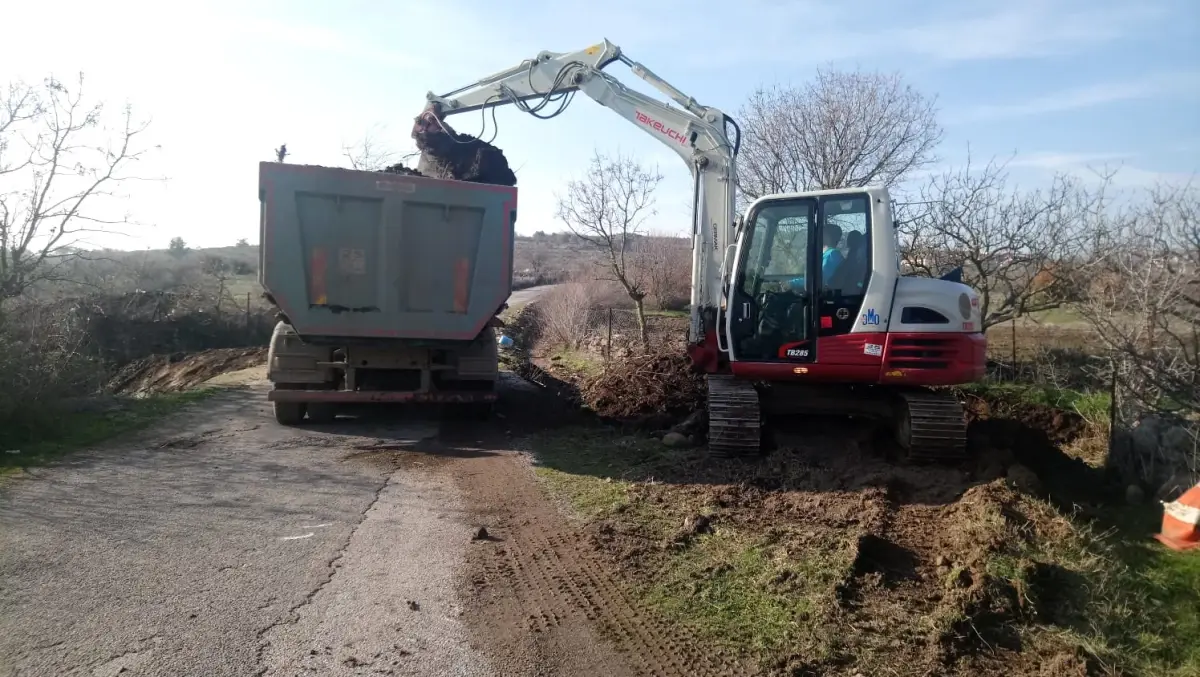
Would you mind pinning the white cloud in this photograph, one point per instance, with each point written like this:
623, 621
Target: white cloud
1024, 29
1184, 84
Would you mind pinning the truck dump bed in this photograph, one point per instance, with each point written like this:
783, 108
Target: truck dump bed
348, 253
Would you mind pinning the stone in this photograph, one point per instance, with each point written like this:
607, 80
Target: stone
481, 535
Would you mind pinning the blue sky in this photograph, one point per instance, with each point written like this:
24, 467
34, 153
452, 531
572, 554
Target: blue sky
1063, 83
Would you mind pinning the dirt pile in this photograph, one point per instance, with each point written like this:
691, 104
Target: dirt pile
176, 372
446, 154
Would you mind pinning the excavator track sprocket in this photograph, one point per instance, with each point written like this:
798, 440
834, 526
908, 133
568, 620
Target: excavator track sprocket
931, 426
734, 418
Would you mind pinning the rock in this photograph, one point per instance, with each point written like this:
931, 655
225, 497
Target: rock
942, 561
675, 440
481, 535
1024, 480
413, 605
1134, 495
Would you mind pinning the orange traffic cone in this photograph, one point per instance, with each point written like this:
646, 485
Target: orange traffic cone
1181, 521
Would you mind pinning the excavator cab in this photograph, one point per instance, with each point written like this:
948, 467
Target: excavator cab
802, 273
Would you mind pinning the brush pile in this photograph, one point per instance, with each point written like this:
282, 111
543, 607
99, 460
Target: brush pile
660, 382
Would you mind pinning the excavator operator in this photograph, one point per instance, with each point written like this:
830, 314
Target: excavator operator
831, 257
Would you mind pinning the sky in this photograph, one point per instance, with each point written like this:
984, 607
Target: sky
1066, 85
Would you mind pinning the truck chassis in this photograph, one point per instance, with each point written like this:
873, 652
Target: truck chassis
313, 377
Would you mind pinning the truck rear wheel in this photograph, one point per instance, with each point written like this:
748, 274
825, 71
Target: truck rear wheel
289, 413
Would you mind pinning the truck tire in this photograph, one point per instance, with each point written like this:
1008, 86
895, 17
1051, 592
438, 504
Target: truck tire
321, 413
289, 413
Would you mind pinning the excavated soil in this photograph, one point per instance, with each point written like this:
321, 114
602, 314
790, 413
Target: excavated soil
916, 597
180, 371
461, 157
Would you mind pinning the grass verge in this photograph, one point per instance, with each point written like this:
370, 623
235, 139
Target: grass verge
42, 439
1092, 406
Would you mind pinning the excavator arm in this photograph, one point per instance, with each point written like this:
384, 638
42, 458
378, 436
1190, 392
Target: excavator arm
696, 133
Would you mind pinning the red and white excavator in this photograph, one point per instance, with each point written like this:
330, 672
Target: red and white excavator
797, 305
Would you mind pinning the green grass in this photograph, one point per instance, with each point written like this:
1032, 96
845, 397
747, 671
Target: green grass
667, 313
1093, 406
1153, 600
1108, 588
578, 362
744, 592
42, 440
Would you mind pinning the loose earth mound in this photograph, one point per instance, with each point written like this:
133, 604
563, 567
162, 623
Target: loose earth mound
174, 373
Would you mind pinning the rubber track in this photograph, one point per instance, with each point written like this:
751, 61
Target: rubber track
939, 428
734, 417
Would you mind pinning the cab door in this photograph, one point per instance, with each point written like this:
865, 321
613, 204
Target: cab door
773, 310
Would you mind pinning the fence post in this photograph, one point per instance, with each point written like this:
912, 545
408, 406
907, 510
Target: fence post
608, 341
1014, 350
1113, 410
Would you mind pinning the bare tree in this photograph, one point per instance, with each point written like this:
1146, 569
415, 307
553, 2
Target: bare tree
843, 129
218, 271
607, 208
1023, 251
1144, 300
537, 264
369, 153
663, 262
58, 164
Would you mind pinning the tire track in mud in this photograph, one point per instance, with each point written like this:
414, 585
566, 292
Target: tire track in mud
540, 570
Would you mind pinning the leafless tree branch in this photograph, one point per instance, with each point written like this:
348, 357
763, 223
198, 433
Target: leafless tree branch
607, 209
1024, 251
58, 162
369, 153
843, 129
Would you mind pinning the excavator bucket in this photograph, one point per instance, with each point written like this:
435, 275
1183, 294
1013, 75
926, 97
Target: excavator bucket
446, 154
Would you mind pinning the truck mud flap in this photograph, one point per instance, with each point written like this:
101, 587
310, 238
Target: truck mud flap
360, 396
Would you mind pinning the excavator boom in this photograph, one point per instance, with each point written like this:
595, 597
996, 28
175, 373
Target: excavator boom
544, 86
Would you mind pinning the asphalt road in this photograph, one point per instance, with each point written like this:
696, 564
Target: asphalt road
524, 296
223, 544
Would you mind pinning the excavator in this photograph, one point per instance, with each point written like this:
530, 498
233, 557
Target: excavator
798, 304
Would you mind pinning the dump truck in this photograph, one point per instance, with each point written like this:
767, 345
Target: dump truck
388, 286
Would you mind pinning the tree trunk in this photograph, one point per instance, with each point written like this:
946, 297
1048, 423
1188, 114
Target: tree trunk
640, 305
